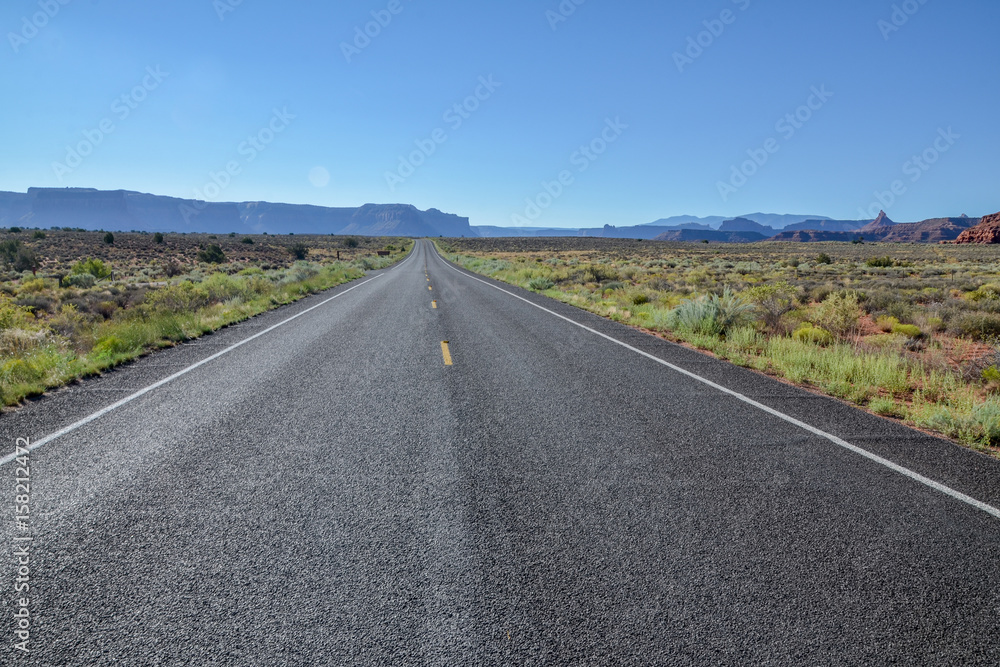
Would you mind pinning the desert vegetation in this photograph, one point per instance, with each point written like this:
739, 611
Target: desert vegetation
906, 331
73, 303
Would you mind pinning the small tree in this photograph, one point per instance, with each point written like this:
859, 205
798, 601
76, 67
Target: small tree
109, 238
27, 260
299, 250
158, 237
351, 242
212, 255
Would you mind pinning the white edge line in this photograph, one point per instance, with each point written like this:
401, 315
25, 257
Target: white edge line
156, 385
915, 476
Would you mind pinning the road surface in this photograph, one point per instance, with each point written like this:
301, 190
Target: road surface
363, 478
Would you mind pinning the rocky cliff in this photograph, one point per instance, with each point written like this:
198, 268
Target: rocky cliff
987, 231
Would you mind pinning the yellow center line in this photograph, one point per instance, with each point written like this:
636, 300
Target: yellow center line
430, 289
446, 353
434, 304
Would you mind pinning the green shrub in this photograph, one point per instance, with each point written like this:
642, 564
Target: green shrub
351, 242
880, 262
908, 330
158, 237
540, 284
773, 302
640, 298
977, 326
711, 315
886, 323
886, 407
991, 374
839, 313
823, 258
247, 240
109, 238
212, 255
39, 234
83, 280
299, 250
808, 333
93, 266
613, 285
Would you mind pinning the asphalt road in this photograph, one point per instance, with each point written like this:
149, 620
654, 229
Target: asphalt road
330, 492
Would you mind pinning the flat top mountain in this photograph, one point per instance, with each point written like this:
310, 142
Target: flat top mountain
126, 210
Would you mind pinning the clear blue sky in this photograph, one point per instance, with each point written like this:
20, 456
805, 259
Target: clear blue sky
226, 66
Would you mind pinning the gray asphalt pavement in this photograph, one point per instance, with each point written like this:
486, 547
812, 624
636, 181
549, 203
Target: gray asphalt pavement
330, 492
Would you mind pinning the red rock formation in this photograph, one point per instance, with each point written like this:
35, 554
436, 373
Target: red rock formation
987, 231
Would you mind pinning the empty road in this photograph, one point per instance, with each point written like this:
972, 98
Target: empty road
424, 467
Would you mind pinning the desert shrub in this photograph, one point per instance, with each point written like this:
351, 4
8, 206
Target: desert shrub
773, 302
886, 323
880, 262
886, 407
639, 298
711, 315
109, 238
212, 254
299, 250
106, 309
184, 297
808, 333
36, 303
908, 330
34, 286
989, 291
599, 274
247, 240
819, 294
39, 234
83, 280
839, 313
351, 242
900, 310
823, 258
977, 326
158, 237
878, 301
172, 269
92, 266
747, 268
540, 284
613, 285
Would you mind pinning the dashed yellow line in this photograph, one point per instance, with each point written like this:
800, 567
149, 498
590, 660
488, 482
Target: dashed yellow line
446, 353
434, 305
430, 289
